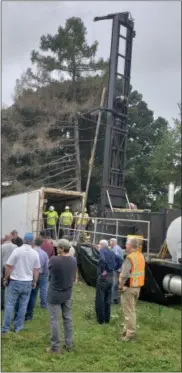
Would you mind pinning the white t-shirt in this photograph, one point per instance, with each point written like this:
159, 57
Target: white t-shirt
23, 260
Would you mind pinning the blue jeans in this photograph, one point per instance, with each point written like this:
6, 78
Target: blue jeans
18, 291
115, 296
42, 284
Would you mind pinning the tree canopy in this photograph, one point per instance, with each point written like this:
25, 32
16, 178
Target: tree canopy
38, 131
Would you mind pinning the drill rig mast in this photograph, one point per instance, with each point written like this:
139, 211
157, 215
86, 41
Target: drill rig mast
117, 112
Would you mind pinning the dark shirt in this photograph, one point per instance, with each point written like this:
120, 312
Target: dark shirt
62, 270
17, 241
108, 261
48, 247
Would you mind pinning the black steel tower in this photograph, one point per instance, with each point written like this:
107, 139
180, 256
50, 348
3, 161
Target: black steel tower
117, 111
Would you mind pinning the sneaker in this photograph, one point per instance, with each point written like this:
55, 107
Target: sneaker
68, 348
50, 351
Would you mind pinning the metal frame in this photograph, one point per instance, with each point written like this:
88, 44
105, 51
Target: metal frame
116, 127
117, 221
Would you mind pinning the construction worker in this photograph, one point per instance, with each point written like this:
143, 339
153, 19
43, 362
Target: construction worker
65, 221
131, 280
81, 223
52, 217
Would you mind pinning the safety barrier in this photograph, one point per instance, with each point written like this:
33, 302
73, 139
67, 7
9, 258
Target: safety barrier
101, 228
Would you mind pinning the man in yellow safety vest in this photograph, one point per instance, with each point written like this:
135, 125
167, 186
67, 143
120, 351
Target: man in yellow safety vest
81, 223
131, 279
66, 219
52, 217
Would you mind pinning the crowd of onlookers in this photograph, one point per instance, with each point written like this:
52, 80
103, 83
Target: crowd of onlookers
35, 265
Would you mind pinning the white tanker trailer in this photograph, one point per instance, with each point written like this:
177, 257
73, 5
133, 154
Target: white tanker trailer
173, 283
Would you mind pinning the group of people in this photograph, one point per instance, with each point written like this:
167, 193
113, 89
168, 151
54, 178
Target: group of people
33, 266
67, 222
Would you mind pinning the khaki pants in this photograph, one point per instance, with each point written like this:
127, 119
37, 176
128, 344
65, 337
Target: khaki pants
128, 299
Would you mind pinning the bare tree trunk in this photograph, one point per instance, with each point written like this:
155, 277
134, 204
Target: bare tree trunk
77, 151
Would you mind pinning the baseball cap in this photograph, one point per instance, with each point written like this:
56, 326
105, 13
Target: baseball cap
28, 237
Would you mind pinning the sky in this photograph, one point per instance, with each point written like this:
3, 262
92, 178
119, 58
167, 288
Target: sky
156, 61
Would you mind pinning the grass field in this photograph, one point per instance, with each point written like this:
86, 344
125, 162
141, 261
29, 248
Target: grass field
97, 349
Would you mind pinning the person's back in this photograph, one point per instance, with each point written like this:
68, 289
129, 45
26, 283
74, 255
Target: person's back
25, 259
22, 269
6, 250
62, 270
48, 247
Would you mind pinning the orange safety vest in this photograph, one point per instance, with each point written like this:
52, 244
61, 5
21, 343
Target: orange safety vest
137, 274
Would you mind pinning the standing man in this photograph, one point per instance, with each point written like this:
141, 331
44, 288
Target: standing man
118, 251
52, 217
131, 280
62, 270
108, 263
22, 268
81, 224
66, 220
6, 250
15, 239
46, 245
42, 282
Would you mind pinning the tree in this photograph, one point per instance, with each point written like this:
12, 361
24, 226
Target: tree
68, 52
165, 166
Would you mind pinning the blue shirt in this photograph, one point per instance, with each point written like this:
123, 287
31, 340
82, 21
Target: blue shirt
119, 252
43, 261
108, 261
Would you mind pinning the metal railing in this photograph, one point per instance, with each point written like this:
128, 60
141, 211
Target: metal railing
106, 228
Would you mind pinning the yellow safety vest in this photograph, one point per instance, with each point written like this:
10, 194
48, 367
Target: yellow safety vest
84, 219
52, 217
66, 218
137, 274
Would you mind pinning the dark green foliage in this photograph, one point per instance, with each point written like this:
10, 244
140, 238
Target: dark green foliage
71, 51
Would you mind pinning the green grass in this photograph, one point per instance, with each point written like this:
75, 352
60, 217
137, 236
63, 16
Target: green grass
97, 349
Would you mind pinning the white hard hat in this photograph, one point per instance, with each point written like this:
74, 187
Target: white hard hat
67, 208
51, 208
85, 209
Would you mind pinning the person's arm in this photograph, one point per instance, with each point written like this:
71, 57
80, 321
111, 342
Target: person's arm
125, 274
61, 218
102, 262
45, 212
118, 262
9, 266
75, 269
71, 218
45, 268
56, 216
49, 270
36, 271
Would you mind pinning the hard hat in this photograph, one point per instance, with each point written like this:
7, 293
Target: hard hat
67, 208
51, 208
85, 209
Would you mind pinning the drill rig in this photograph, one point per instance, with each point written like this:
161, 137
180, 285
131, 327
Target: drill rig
117, 112
163, 276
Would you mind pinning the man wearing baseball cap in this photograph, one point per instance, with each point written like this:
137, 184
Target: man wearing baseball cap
62, 270
22, 271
